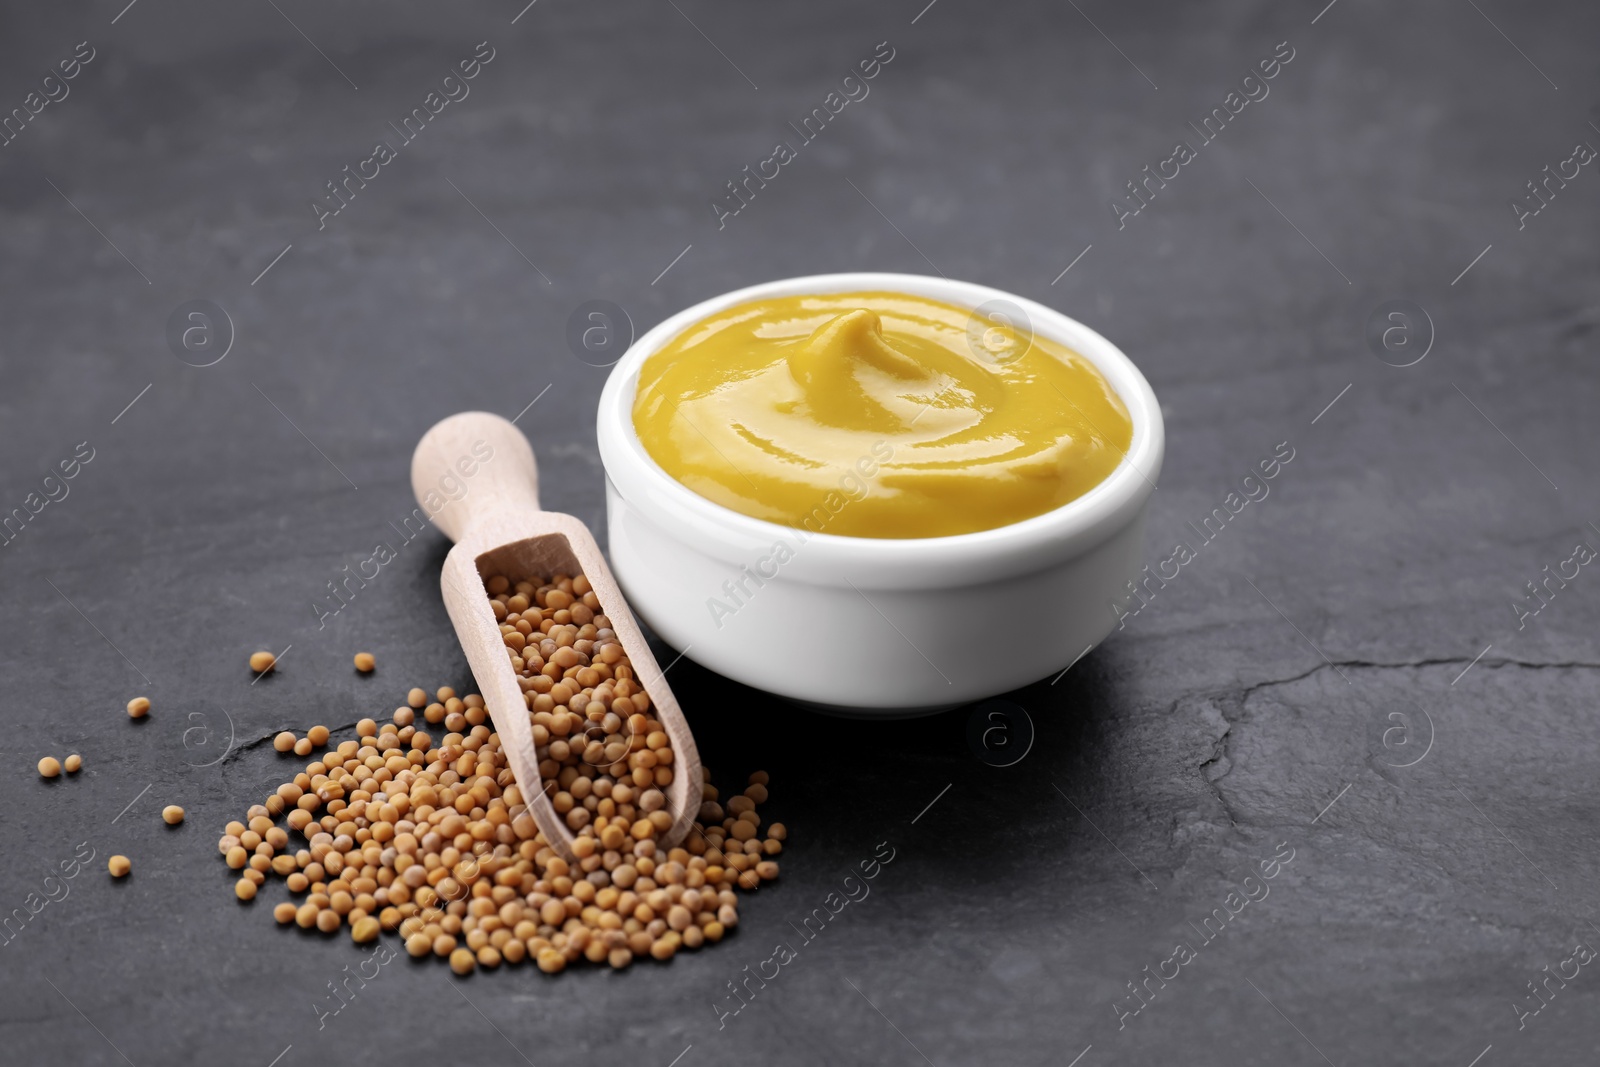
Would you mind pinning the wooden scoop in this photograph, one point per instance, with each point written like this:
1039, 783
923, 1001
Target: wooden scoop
474, 473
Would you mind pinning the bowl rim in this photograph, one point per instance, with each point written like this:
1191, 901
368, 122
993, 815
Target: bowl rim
1014, 548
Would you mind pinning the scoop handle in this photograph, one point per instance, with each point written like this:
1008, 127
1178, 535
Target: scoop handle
472, 468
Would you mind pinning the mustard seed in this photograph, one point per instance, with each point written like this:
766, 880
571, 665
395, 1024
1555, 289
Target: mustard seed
284, 742
138, 707
284, 913
244, 889
261, 662
119, 866
172, 815
364, 662
49, 767
74, 763
429, 836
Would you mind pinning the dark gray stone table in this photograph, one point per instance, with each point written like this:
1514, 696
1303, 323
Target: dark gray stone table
1341, 676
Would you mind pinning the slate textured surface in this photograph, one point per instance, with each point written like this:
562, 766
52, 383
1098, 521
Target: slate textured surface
1358, 619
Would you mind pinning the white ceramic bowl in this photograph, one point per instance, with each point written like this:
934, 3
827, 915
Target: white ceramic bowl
870, 626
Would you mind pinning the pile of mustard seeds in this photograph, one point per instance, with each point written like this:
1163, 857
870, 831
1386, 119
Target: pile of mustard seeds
431, 838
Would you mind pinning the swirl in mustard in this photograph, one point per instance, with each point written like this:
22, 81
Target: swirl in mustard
877, 414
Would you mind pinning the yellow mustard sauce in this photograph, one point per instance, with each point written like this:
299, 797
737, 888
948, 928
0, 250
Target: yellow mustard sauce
877, 414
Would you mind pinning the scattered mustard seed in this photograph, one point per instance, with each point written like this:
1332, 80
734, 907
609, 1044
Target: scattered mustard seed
49, 767
138, 707
74, 763
417, 827
119, 866
245, 889
365, 662
172, 815
261, 662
